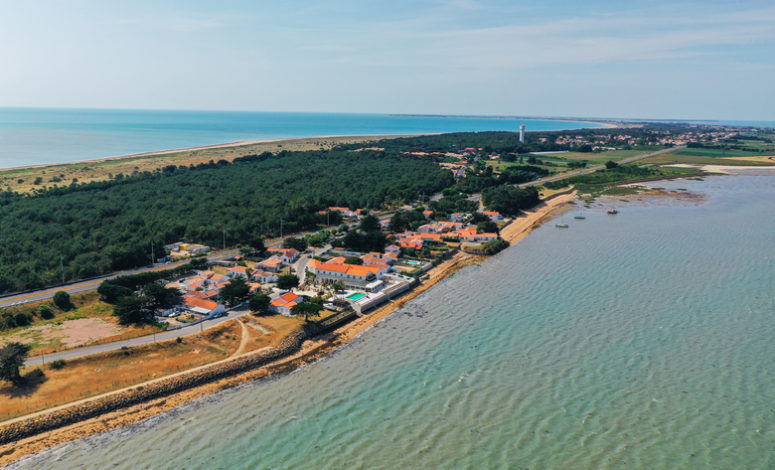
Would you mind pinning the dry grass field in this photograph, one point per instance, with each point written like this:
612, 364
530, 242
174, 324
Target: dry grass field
101, 373
90, 322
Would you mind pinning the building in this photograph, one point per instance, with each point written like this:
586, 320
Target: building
522, 134
287, 255
264, 276
236, 271
495, 216
203, 307
351, 275
272, 264
284, 303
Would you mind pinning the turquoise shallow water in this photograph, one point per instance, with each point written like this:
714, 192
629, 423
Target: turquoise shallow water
30, 136
642, 340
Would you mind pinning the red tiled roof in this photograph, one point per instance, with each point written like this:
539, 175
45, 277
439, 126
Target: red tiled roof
201, 303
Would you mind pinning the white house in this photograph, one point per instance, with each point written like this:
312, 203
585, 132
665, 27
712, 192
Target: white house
284, 303
203, 307
495, 216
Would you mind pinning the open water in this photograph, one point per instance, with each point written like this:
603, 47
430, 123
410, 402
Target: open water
644, 340
34, 136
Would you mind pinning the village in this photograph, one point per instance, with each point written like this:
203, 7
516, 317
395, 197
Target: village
327, 283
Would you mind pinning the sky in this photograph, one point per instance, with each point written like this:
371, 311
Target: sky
594, 58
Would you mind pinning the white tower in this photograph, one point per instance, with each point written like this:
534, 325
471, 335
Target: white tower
522, 134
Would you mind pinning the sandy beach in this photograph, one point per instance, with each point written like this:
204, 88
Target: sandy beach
311, 350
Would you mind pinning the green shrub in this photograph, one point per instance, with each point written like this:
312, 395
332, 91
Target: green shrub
45, 312
58, 364
62, 300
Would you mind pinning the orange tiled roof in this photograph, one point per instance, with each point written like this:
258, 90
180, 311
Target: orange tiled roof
201, 303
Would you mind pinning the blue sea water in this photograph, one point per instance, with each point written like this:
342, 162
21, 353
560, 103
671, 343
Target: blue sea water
30, 136
644, 340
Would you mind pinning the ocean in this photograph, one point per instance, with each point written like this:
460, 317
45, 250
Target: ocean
642, 340
31, 136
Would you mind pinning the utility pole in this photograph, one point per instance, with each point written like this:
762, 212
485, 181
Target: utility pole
153, 257
281, 227
224, 239
62, 267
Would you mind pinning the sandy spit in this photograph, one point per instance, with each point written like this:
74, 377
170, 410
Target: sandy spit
515, 231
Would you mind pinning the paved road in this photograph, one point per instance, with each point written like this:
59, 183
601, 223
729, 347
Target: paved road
100, 348
91, 284
300, 267
593, 169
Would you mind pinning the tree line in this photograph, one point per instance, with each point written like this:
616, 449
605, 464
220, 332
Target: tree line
97, 228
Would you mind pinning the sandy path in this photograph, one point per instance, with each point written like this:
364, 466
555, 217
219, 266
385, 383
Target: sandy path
244, 338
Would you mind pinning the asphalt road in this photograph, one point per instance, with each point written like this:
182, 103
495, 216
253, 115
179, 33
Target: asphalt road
91, 284
101, 348
593, 169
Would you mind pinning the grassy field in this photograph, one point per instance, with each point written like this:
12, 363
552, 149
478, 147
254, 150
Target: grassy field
707, 159
23, 179
560, 160
93, 375
718, 153
90, 322
602, 157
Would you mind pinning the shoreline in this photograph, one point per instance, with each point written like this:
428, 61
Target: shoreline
248, 142
237, 143
310, 350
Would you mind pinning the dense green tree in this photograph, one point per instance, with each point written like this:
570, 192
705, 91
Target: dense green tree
110, 292
353, 260
299, 244
133, 309
487, 226
510, 200
259, 304
62, 300
308, 309
406, 220
287, 281
105, 226
369, 223
12, 357
160, 296
364, 242
236, 290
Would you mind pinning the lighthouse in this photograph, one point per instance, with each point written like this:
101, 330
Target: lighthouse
522, 134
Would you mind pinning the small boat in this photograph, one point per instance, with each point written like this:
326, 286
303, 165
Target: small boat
613, 212
561, 225
580, 215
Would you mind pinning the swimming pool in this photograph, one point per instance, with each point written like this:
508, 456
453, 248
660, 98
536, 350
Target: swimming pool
356, 296
413, 262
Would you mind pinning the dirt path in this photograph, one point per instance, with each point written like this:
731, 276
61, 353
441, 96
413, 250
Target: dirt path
244, 338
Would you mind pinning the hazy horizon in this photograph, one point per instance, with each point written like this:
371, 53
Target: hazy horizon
602, 59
